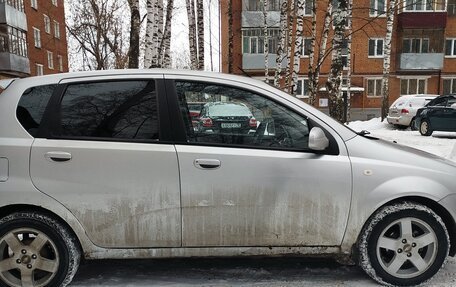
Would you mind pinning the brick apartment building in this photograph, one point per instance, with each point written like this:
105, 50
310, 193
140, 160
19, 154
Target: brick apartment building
423, 56
32, 38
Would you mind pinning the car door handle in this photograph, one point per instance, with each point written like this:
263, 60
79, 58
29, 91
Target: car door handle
207, 163
58, 156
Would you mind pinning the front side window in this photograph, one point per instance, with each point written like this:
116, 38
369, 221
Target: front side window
110, 110
375, 48
32, 105
236, 117
413, 86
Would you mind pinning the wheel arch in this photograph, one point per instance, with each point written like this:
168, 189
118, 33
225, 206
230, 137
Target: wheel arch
13, 208
434, 206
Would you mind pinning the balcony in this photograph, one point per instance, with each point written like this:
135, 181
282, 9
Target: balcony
14, 64
255, 19
422, 20
12, 17
256, 61
421, 61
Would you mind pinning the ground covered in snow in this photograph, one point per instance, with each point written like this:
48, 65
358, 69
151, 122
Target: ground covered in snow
265, 271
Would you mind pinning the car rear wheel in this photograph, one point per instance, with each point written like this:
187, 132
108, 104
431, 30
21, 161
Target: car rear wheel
425, 128
403, 244
35, 251
412, 124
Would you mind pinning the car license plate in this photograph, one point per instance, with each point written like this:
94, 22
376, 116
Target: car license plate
230, 125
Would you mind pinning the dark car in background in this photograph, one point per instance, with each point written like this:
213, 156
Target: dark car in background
226, 117
438, 115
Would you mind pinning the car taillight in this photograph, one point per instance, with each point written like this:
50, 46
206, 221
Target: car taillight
404, 111
207, 122
253, 122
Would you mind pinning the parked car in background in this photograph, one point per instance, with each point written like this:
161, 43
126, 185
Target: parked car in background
402, 112
226, 118
437, 115
107, 165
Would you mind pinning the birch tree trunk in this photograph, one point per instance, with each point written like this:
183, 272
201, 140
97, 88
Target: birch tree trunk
150, 31
281, 44
158, 34
322, 53
333, 85
164, 51
135, 26
349, 61
311, 67
230, 36
387, 57
298, 43
291, 15
192, 33
266, 41
210, 34
200, 21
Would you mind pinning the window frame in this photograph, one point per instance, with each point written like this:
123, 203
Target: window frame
37, 40
50, 125
452, 85
302, 95
418, 79
34, 4
50, 59
377, 12
55, 3
376, 55
375, 79
453, 48
421, 41
47, 24
60, 62
56, 29
39, 67
424, 6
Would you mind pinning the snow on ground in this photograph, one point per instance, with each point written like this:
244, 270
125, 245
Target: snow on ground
265, 271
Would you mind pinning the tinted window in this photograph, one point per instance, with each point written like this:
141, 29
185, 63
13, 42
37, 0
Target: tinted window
32, 105
233, 116
120, 110
438, 102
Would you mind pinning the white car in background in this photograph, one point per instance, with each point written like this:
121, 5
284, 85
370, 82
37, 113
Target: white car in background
403, 111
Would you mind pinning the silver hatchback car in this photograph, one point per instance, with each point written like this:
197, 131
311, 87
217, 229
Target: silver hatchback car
108, 165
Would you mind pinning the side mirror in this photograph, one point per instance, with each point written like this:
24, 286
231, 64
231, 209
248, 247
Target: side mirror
317, 139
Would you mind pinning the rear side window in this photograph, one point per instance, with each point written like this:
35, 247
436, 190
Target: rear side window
110, 110
32, 105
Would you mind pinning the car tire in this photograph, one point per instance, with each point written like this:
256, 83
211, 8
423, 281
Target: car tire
425, 128
36, 250
412, 124
392, 256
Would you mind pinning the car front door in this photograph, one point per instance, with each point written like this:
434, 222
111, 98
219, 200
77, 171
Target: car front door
101, 154
258, 187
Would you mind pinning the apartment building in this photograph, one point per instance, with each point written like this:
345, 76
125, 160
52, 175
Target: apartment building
32, 38
423, 56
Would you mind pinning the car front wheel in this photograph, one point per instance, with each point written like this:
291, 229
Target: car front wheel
403, 244
36, 250
425, 128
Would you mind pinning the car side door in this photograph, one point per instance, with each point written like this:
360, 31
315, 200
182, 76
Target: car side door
103, 152
262, 187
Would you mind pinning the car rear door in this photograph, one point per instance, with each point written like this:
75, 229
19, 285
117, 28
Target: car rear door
264, 188
103, 153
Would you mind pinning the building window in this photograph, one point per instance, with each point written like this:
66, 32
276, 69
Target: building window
424, 5
449, 86
50, 56
374, 87
257, 5
39, 69
306, 47
16, 4
451, 7
57, 29
47, 24
37, 37
60, 60
375, 48
302, 88
415, 45
345, 54
54, 2
450, 48
253, 41
14, 41
413, 86
377, 7
34, 4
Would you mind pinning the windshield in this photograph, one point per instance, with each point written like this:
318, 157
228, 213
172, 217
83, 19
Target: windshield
224, 110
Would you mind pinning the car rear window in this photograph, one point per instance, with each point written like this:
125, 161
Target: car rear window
224, 110
32, 105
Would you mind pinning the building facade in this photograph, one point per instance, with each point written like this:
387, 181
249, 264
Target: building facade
32, 38
423, 56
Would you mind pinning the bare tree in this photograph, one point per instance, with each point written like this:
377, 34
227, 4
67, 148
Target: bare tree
282, 40
192, 33
200, 22
266, 41
387, 58
291, 14
97, 27
349, 61
298, 47
135, 26
230, 36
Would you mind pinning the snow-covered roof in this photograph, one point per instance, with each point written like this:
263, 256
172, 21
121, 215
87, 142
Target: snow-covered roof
345, 88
